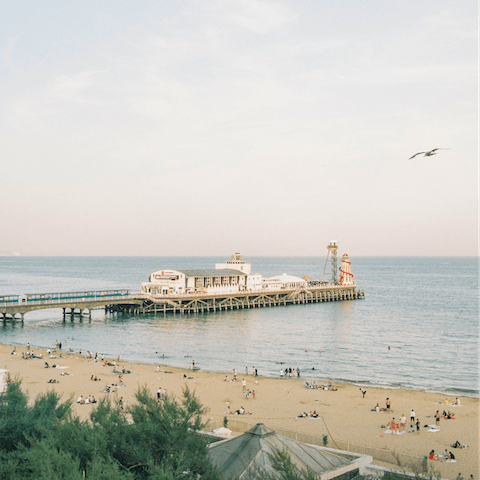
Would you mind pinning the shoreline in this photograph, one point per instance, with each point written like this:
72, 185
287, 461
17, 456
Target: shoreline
449, 392
346, 415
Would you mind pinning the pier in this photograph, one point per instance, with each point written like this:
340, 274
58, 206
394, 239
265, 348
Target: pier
122, 301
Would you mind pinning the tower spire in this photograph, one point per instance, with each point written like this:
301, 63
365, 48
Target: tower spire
346, 275
332, 248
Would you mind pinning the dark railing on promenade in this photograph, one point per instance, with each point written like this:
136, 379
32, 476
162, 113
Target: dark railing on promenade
392, 457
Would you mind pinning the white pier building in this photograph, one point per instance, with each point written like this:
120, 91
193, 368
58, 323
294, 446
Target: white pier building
230, 277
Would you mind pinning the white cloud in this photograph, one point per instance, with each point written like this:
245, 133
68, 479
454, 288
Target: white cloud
257, 16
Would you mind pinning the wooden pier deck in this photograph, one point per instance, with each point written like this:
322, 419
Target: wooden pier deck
142, 303
201, 302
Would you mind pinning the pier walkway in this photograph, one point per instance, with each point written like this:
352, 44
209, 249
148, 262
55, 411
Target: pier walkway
122, 301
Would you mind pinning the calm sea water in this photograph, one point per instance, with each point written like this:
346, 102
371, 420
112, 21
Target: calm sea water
425, 308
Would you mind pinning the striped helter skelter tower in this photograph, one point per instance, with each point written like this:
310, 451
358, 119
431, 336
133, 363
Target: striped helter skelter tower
346, 276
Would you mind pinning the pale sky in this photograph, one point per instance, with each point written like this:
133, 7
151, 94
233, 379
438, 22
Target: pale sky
253, 126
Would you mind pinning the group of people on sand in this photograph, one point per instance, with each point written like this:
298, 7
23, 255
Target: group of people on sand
240, 411
448, 415
30, 355
86, 400
387, 408
289, 372
328, 386
161, 394
313, 414
448, 456
111, 388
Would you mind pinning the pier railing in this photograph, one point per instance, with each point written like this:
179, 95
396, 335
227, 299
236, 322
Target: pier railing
124, 301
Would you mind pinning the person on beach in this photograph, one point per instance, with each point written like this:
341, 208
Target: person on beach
298, 372
159, 393
403, 421
244, 385
393, 425
457, 402
377, 407
431, 456
388, 403
412, 417
418, 426
437, 418
363, 392
459, 477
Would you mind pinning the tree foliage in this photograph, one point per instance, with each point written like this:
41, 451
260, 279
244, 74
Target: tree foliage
146, 441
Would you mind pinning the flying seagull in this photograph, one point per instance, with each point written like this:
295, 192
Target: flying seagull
430, 153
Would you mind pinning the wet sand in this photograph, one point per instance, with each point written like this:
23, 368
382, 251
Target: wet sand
346, 415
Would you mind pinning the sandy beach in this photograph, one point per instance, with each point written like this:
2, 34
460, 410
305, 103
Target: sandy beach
346, 415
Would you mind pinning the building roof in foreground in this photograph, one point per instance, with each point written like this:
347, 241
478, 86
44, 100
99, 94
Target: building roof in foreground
241, 457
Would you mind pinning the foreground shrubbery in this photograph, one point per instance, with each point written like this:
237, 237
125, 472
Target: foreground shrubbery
46, 441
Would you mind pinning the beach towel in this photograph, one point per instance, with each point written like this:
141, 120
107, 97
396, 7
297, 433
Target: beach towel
433, 430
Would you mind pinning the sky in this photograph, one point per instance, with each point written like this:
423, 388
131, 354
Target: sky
219, 126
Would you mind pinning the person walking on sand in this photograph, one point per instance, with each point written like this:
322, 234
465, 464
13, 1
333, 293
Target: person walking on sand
244, 385
403, 421
437, 417
388, 403
412, 417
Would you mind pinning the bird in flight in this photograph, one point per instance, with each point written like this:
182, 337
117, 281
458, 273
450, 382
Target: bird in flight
430, 153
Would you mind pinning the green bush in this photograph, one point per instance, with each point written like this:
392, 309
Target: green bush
46, 441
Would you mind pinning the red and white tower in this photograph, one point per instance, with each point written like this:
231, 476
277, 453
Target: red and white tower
346, 276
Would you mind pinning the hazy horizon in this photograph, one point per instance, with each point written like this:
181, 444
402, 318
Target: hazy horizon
245, 257
265, 127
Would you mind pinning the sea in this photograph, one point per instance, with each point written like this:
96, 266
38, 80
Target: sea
417, 328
